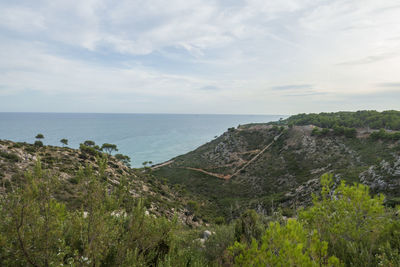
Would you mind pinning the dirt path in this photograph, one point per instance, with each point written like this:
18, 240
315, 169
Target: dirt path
255, 157
229, 176
220, 176
155, 167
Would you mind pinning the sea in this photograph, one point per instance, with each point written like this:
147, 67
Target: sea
143, 137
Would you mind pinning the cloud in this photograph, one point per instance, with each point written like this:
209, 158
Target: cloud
306, 93
292, 87
390, 84
369, 59
210, 88
194, 55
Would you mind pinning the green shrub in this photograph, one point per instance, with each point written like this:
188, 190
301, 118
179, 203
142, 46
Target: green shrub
38, 143
9, 156
349, 219
287, 245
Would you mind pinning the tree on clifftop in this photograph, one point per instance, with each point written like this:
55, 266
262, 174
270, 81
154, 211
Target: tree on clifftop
89, 143
64, 141
38, 142
109, 148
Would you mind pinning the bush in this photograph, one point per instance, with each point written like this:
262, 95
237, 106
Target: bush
349, 219
248, 226
38, 143
89, 150
287, 245
9, 156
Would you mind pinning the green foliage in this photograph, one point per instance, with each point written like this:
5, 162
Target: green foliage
89, 150
349, 219
361, 119
192, 206
38, 143
248, 226
384, 135
345, 225
287, 245
110, 229
64, 142
124, 159
9, 156
89, 143
32, 222
315, 131
39, 136
109, 148
217, 244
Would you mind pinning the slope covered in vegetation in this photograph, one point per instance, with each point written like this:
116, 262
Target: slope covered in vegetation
345, 226
389, 120
259, 195
277, 164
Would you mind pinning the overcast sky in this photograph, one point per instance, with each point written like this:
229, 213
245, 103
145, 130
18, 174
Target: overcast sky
188, 56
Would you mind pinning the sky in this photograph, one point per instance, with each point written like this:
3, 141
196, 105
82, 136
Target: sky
192, 56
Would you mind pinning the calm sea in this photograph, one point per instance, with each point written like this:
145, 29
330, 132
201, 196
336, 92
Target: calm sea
143, 137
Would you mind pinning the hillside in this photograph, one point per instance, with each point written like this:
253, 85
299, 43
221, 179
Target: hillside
263, 166
62, 206
17, 159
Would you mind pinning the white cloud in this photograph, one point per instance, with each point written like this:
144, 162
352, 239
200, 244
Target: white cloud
175, 49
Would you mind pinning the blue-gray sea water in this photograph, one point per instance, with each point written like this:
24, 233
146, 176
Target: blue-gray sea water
143, 137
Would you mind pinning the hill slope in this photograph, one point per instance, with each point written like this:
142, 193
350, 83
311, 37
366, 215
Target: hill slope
262, 166
16, 159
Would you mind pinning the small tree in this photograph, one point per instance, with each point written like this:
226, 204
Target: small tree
124, 159
39, 136
38, 142
64, 141
89, 143
109, 148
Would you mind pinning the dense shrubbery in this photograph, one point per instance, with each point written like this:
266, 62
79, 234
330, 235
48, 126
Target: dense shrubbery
337, 130
361, 119
384, 135
344, 227
110, 229
9, 156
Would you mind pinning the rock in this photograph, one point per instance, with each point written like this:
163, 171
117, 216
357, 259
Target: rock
206, 234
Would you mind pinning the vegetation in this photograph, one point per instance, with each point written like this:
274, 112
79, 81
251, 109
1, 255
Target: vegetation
345, 226
89, 143
361, 119
109, 148
109, 229
124, 159
384, 135
83, 208
38, 142
39, 136
64, 142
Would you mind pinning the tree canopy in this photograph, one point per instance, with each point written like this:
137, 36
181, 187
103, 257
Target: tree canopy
361, 119
109, 148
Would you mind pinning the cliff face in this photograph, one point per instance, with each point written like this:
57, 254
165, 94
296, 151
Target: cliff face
262, 166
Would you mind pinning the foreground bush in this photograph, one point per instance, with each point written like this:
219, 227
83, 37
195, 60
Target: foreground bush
344, 226
110, 229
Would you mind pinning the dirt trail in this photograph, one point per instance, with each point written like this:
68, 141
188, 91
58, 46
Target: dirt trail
229, 176
220, 176
155, 167
255, 157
